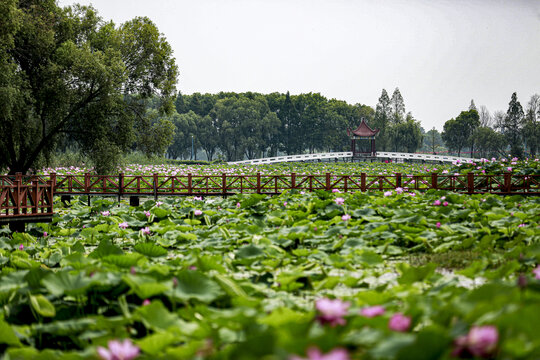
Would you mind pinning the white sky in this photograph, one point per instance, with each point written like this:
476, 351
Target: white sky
440, 53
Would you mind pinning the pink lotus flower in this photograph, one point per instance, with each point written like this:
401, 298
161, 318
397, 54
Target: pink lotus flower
336, 191
147, 213
438, 225
399, 322
437, 202
346, 217
117, 350
331, 311
399, 190
314, 353
445, 203
481, 341
372, 311
159, 203
509, 169
197, 198
145, 230
132, 270
105, 213
339, 201
123, 225
284, 203
197, 212
21, 247
536, 272
45, 234
387, 193
237, 205
146, 302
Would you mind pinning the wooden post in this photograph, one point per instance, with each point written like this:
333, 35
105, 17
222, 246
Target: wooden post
86, 182
470, 183
120, 186
434, 182
328, 185
293, 180
35, 199
345, 178
17, 196
507, 182
155, 183
398, 180
224, 184
363, 182
50, 195
310, 183
189, 184
53, 180
18, 177
258, 183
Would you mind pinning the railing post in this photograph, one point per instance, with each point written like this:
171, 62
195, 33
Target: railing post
189, 184
53, 179
258, 183
434, 182
155, 184
50, 194
470, 183
17, 196
398, 180
35, 193
293, 180
363, 182
328, 185
120, 186
507, 182
345, 185
18, 177
224, 184
86, 182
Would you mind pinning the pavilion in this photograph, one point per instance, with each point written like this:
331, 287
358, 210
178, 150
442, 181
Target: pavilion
363, 141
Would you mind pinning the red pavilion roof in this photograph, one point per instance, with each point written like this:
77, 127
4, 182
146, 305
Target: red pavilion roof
363, 130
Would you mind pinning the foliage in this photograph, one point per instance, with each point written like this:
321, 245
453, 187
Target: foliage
66, 73
458, 133
242, 279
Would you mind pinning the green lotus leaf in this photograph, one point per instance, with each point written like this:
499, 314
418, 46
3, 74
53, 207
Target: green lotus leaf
150, 249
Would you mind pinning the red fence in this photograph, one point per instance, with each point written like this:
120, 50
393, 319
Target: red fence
25, 200
226, 184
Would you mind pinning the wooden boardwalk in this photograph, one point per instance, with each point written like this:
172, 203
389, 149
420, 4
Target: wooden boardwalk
227, 184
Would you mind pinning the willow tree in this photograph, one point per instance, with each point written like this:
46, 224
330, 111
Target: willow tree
67, 73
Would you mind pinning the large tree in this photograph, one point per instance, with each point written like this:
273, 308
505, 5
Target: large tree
512, 126
65, 72
458, 132
531, 126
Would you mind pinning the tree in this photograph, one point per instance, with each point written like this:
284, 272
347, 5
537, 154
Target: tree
407, 135
155, 134
485, 117
433, 140
67, 73
185, 128
457, 133
512, 125
489, 142
383, 114
397, 107
531, 127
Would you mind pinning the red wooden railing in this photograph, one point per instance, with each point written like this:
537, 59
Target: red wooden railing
18, 200
226, 184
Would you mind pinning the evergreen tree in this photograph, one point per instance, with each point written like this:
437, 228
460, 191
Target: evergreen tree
383, 113
512, 126
472, 106
397, 107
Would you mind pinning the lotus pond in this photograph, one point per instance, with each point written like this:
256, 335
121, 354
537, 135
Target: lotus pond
399, 275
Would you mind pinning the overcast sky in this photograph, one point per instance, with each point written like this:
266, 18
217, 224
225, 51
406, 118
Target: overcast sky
440, 53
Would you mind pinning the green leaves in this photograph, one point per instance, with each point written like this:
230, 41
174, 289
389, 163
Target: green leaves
150, 249
194, 285
42, 306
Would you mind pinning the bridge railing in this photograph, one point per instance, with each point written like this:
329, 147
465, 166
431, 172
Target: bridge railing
225, 184
228, 184
18, 200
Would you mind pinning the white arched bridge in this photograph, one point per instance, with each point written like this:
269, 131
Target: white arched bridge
394, 156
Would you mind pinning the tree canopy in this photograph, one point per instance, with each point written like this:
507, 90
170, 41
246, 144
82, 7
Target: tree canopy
67, 73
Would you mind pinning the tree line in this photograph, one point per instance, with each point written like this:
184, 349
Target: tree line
251, 125
515, 132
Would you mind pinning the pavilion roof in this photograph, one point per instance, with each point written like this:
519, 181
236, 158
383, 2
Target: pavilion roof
363, 130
